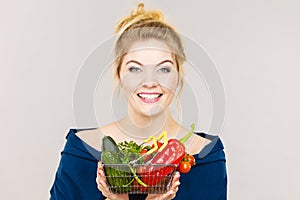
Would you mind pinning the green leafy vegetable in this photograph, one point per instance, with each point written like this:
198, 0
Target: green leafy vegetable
121, 176
130, 151
111, 154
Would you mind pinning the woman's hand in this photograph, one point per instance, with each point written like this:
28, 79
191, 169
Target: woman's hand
102, 186
170, 194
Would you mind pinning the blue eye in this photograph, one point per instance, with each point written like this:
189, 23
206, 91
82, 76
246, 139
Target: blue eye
164, 70
134, 69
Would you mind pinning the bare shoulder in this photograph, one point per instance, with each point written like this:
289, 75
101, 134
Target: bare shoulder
90, 137
196, 143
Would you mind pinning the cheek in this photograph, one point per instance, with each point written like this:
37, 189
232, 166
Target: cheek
169, 82
130, 82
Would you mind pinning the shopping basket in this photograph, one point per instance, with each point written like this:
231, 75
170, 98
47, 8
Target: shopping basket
124, 179
128, 177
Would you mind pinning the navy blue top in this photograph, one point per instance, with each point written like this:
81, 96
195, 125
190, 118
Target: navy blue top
75, 178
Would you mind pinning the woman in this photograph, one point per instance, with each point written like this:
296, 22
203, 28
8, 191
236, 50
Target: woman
149, 58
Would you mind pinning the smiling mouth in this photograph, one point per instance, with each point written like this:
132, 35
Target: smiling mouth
149, 97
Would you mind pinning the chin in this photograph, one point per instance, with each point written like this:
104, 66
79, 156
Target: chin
148, 109
153, 111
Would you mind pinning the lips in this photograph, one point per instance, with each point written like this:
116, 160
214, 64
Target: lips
149, 97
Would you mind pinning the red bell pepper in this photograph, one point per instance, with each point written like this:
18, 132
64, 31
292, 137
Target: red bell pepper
173, 153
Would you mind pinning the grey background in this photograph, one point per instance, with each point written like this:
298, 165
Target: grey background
254, 44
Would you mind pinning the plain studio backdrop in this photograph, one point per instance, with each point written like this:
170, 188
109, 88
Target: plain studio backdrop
254, 45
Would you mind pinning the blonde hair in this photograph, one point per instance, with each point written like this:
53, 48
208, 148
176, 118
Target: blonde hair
142, 25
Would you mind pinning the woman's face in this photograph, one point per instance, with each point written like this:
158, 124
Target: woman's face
149, 77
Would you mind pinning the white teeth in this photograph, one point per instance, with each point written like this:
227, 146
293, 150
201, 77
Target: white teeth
149, 96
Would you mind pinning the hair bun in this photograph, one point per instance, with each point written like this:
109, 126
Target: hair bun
136, 15
139, 10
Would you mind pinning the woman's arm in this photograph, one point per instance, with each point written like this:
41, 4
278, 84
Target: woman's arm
75, 180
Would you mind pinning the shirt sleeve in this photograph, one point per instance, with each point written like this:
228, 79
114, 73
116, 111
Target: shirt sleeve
75, 179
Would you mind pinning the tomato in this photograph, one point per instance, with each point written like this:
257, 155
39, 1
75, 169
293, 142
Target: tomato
143, 151
135, 183
184, 167
136, 187
190, 159
147, 157
143, 189
159, 144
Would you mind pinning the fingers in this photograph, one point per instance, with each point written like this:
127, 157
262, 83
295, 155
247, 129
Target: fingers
101, 180
103, 186
175, 186
175, 182
100, 173
171, 193
176, 179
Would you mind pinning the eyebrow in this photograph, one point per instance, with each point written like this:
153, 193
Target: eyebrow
134, 61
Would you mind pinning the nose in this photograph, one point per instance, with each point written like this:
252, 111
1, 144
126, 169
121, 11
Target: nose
150, 79
150, 84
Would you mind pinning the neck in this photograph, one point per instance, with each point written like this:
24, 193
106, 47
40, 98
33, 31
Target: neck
143, 127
